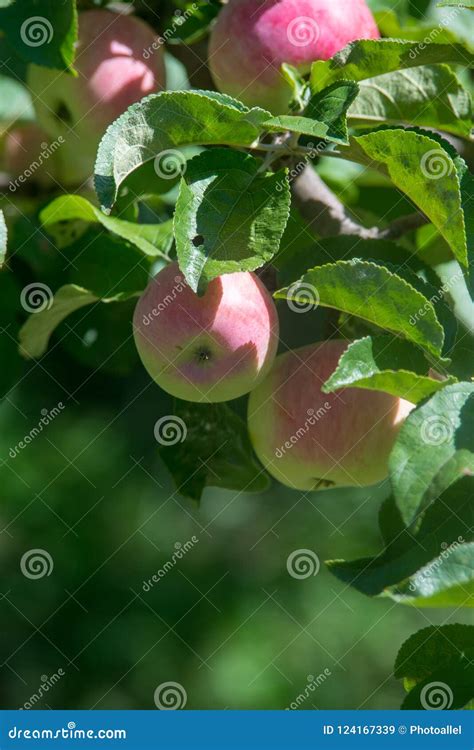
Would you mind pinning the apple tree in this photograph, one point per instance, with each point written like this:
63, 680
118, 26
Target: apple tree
273, 203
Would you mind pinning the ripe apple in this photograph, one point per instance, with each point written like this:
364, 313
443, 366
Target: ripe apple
118, 61
251, 40
308, 439
210, 348
27, 158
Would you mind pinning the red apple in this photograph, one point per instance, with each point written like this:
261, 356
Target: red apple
210, 348
251, 40
308, 439
27, 156
119, 60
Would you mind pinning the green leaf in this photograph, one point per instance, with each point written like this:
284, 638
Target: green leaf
3, 239
369, 363
42, 32
159, 124
36, 332
373, 57
431, 566
15, 103
423, 169
428, 440
229, 217
192, 23
209, 447
108, 267
431, 647
375, 294
456, 4
436, 665
428, 96
154, 240
325, 115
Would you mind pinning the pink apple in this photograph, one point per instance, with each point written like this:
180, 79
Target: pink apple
308, 439
251, 39
210, 348
119, 60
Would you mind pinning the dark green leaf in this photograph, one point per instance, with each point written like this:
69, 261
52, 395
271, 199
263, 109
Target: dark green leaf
429, 96
375, 294
373, 57
324, 117
429, 439
229, 217
207, 445
160, 124
422, 168
436, 665
42, 31
152, 239
370, 363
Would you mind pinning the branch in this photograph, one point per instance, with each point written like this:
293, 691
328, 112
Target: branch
328, 217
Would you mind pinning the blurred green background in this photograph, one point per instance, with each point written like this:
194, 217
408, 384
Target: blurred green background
227, 622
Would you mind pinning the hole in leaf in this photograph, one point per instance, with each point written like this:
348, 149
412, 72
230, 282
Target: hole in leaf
198, 240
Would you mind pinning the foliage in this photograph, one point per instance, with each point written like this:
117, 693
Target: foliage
198, 177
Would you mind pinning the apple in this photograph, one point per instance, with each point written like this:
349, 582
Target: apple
210, 348
119, 60
251, 40
308, 439
27, 157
